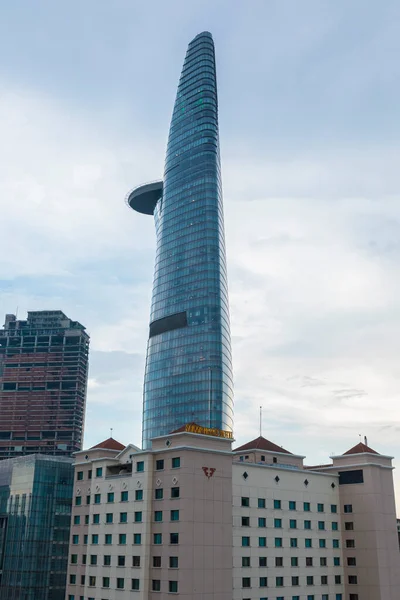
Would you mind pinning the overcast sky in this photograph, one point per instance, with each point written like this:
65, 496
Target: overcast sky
309, 124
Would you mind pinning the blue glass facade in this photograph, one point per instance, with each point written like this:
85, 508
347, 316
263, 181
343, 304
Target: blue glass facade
35, 514
188, 373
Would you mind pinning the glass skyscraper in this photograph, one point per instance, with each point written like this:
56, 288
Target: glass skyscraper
188, 376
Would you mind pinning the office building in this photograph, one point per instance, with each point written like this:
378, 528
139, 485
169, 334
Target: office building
43, 380
188, 368
193, 518
35, 514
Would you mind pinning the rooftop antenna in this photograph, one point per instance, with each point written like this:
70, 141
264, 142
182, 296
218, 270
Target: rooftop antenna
260, 421
111, 430
365, 440
16, 313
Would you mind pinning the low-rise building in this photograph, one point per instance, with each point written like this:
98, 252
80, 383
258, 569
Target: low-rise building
193, 518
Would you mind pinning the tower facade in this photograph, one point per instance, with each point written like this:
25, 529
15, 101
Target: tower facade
43, 379
188, 374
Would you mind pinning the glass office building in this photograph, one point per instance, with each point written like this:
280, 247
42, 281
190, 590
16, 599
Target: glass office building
35, 514
188, 375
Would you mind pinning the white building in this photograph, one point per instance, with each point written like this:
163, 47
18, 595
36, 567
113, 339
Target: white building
194, 519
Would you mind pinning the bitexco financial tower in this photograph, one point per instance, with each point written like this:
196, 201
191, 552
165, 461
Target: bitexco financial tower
188, 375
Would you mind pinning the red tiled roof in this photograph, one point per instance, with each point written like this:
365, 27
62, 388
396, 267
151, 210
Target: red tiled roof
360, 449
110, 444
261, 443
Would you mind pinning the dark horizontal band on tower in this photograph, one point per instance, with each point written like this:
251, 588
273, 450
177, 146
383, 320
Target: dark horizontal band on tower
176, 321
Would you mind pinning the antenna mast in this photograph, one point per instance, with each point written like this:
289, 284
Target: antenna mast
260, 421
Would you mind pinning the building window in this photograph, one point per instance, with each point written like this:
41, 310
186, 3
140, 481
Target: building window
353, 596
110, 497
176, 462
262, 561
108, 539
158, 516
350, 544
96, 519
323, 561
320, 508
245, 521
92, 581
173, 587
106, 582
262, 522
325, 597
322, 543
78, 500
107, 560
349, 526
309, 561
335, 526
138, 517
159, 465
277, 504
279, 581
90, 474
340, 597
138, 495
335, 543
246, 582
308, 543
140, 466
125, 496
135, 561
293, 524
75, 539
157, 538
86, 519
84, 559
306, 506
123, 517
93, 560
120, 583
348, 508
333, 508
245, 501
159, 494
109, 517
293, 542
279, 561
88, 499
99, 472
353, 579
173, 562
79, 475
263, 581
351, 561
72, 579
261, 503
292, 505
310, 580
262, 542
278, 543
278, 523
294, 561
174, 515
95, 539
336, 561
245, 541
174, 538
321, 525
307, 524
295, 580
156, 585
77, 520
121, 561
338, 580
83, 579
246, 561
135, 585
157, 562
97, 498
324, 580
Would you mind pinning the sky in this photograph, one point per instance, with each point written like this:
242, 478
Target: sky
309, 131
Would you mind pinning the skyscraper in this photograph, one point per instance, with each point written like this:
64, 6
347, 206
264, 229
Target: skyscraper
188, 374
43, 379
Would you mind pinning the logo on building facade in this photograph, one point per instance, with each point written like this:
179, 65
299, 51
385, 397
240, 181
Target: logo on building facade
208, 472
193, 428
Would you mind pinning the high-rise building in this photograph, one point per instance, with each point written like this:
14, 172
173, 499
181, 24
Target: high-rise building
188, 368
35, 515
43, 380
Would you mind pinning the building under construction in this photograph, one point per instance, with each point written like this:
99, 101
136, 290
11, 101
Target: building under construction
43, 382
